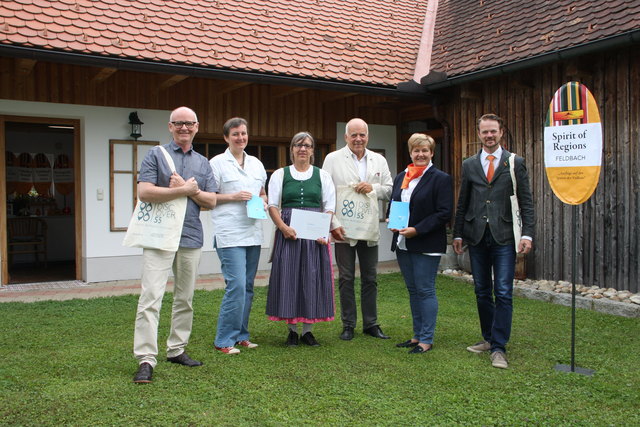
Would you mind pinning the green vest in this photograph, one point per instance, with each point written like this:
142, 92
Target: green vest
301, 194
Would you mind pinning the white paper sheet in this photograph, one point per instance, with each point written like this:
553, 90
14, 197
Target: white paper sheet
310, 225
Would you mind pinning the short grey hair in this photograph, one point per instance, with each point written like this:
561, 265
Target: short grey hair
183, 108
346, 127
300, 137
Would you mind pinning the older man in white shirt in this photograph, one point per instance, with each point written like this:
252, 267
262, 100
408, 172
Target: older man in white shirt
367, 172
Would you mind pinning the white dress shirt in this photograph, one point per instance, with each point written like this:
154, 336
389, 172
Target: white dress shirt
231, 225
485, 162
361, 164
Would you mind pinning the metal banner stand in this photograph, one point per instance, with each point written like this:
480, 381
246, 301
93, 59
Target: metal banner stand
573, 368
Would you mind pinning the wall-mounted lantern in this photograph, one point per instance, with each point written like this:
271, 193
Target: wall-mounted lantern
136, 125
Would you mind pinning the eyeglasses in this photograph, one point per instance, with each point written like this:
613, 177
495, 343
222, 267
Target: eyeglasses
301, 145
179, 125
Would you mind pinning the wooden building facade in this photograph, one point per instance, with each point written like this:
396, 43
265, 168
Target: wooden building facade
608, 224
275, 112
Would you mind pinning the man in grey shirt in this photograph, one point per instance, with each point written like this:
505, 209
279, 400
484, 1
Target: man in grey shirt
156, 183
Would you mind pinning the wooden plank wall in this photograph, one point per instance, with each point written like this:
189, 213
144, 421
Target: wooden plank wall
608, 223
272, 111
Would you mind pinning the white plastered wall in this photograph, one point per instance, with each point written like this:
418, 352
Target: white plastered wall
103, 256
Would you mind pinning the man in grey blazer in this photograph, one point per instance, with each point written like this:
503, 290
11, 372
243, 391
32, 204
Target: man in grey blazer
483, 220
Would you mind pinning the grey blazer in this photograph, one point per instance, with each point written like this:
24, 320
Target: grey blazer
482, 204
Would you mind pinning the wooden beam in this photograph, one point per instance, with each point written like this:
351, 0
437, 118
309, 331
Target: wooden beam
284, 91
103, 74
335, 96
470, 92
171, 81
24, 66
226, 86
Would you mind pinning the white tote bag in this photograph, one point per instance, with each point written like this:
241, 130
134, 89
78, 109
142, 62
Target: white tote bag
515, 207
358, 213
157, 225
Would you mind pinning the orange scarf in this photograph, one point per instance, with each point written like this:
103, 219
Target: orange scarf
413, 172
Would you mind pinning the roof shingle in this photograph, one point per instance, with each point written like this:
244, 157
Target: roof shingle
305, 38
472, 35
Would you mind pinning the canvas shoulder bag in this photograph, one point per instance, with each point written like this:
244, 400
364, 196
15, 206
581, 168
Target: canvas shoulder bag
157, 225
515, 206
357, 213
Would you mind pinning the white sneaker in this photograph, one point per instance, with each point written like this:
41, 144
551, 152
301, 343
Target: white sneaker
480, 347
499, 360
247, 344
228, 350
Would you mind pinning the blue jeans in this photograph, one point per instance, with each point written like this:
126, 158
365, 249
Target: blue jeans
494, 297
419, 272
239, 265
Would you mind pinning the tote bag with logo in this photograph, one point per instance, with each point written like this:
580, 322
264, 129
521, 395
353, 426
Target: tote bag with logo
515, 206
157, 225
358, 213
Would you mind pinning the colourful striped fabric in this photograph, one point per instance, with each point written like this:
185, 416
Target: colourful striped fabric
570, 106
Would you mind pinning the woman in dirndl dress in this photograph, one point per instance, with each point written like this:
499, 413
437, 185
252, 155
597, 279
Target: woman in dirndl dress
301, 281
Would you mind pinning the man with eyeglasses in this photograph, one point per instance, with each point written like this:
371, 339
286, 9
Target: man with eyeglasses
366, 171
192, 178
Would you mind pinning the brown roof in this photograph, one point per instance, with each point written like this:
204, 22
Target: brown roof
472, 35
373, 42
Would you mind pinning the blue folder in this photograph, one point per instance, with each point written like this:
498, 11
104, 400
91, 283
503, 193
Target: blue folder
255, 208
398, 215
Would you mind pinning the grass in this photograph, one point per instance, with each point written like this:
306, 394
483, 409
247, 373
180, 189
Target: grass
70, 363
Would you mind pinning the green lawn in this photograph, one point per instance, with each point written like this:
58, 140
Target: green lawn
70, 363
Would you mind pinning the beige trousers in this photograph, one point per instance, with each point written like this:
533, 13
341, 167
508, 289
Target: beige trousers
156, 267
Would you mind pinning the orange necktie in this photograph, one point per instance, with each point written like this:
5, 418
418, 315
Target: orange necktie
490, 170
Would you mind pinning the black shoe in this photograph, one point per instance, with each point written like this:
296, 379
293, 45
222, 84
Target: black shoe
143, 376
309, 339
376, 332
292, 339
407, 344
418, 349
347, 333
184, 359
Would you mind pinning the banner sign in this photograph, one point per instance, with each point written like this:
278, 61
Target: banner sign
573, 144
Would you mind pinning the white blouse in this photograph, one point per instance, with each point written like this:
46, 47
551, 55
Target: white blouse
231, 225
328, 189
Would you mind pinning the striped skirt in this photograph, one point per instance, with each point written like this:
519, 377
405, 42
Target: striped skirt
301, 281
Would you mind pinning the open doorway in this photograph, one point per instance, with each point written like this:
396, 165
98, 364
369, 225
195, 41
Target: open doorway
40, 196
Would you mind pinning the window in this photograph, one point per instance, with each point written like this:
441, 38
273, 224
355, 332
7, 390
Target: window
125, 158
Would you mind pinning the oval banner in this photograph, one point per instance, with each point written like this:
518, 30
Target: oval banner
573, 144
